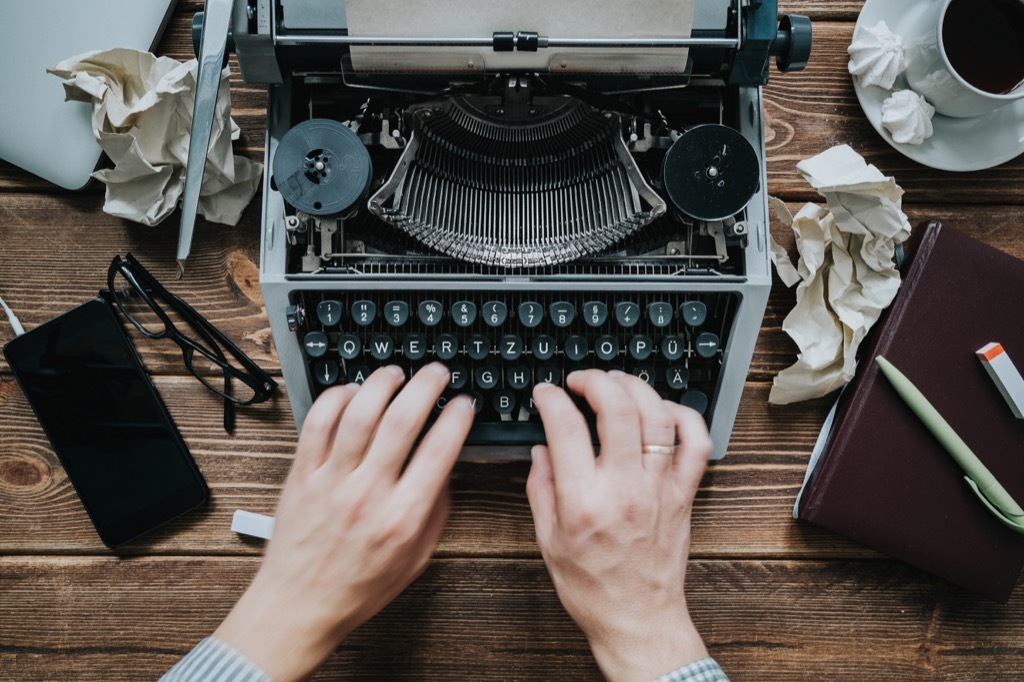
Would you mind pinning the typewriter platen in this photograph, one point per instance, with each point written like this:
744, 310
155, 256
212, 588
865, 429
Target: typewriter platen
514, 223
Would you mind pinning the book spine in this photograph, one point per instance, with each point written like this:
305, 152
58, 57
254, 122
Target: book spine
854, 398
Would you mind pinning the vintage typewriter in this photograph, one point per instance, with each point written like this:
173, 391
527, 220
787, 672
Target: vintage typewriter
517, 203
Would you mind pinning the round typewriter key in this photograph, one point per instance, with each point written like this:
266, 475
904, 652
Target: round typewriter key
606, 347
511, 347
677, 377
328, 312
575, 348
350, 346
530, 314
504, 401
640, 347
382, 347
429, 312
697, 400
518, 377
477, 400
357, 374
672, 348
627, 313
326, 372
464, 313
543, 347
396, 313
707, 345
660, 314
414, 347
694, 313
478, 346
548, 374
595, 313
710, 172
446, 346
644, 373
486, 377
562, 313
364, 313
457, 377
316, 344
495, 313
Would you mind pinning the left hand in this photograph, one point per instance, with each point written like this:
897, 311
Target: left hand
353, 528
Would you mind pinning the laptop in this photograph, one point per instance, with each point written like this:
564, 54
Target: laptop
39, 131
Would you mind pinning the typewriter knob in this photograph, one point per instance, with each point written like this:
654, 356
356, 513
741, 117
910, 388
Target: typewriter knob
792, 46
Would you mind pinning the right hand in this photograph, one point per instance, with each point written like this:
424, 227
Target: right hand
614, 529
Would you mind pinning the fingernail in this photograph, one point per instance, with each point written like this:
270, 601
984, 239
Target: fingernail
533, 452
616, 373
542, 386
464, 402
396, 370
439, 369
353, 386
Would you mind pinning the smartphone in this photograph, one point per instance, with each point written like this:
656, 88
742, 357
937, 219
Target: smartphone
106, 422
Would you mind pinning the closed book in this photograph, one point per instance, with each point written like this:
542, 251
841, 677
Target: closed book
881, 477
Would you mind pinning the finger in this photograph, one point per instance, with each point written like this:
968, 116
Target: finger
358, 424
618, 420
695, 447
540, 491
319, 427
570, 451
403, 421
427, 473
657, 425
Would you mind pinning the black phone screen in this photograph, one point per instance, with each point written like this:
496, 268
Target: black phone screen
106, 422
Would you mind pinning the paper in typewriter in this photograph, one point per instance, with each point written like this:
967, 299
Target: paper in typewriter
481, 18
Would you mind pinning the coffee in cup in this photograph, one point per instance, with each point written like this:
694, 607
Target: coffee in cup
967, 56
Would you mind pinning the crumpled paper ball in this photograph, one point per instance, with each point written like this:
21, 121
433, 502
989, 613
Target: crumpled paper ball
908, 117
877, 56
142, 118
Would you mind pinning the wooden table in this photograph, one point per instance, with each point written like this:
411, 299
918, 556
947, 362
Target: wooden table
774, 598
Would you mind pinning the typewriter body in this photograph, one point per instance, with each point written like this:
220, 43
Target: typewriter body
423, 200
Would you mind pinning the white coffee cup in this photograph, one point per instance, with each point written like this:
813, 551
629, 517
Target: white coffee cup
931, 75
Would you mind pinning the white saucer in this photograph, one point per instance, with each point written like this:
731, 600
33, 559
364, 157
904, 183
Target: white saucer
958, 144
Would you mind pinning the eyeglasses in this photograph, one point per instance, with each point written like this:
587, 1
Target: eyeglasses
224, 368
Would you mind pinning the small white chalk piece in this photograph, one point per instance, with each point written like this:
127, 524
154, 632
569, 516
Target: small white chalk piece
249, 523
1005, 375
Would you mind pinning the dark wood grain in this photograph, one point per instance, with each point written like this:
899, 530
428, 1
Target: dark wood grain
110, 619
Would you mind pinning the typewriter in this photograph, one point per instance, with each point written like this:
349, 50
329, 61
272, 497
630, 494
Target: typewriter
517, 202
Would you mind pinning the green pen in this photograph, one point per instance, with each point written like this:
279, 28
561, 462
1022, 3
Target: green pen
981, 480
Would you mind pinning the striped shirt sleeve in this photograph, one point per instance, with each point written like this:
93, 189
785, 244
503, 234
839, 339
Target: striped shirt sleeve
704, 670
214, 661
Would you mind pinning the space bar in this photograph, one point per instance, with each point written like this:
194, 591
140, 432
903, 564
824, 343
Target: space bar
511, 433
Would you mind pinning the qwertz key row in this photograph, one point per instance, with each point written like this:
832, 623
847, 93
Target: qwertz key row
499, 345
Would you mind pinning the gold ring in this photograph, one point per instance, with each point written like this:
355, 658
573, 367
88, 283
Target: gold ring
659, 450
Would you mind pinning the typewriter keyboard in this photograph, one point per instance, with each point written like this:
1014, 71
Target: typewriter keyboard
497, 345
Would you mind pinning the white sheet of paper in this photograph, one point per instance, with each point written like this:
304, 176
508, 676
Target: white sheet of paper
481, 18
142, 118
845, 275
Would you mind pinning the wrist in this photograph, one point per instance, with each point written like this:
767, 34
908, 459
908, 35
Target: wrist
276, 632
648, 651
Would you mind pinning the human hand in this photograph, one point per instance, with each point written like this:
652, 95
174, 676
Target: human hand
614, 530
352, 528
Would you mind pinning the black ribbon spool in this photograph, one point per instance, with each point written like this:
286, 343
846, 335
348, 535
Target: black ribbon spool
710, 172
321, 167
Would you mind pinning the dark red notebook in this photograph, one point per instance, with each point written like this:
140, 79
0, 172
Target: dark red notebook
882, 478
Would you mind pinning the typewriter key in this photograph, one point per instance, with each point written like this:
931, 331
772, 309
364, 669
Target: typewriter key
710, 172
321, 167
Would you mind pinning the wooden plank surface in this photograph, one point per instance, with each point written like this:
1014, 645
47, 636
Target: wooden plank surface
775, 599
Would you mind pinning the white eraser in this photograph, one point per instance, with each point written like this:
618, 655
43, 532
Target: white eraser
256, 525
1005, 375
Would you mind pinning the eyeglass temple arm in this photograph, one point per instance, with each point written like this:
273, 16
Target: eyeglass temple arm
213, 45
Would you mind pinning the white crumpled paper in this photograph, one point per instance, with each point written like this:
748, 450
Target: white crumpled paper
142, 118
845, 275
